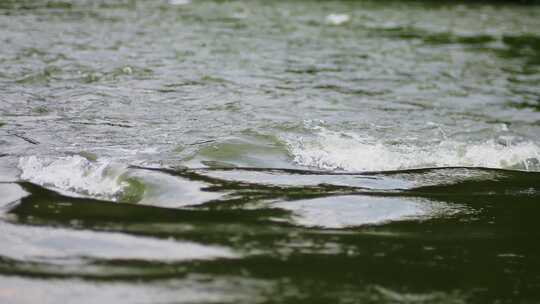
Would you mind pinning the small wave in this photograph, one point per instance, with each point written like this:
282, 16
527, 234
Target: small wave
113, 181
330, 150
100, 178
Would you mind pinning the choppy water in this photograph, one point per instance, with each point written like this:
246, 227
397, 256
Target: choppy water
269, 152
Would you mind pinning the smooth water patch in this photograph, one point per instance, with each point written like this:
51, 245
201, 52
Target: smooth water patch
354, 211
35, 243
251, 151
10, 193
292, 178
165, 190
190, 289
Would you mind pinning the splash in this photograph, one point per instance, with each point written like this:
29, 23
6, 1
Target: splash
330, 150
113, 181
76, 174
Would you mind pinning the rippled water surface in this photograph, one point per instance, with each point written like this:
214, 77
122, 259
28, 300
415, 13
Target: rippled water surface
269, 152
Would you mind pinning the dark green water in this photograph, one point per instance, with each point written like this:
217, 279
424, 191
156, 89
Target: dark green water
269, 152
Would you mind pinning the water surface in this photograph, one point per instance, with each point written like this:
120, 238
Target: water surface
269, 152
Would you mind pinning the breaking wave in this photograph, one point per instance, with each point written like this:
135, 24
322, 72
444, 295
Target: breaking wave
76, 174
330, 150
113, 181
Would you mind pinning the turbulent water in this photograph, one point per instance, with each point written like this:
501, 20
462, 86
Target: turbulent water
269, 152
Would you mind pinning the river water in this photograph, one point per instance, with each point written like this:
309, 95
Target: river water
269, 152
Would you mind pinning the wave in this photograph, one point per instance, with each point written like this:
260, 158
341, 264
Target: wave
76, 174
330, 150
10, 193
112, 181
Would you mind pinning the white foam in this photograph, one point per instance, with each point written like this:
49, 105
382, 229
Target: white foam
332, 150
75, 174
350, 211
179, 2
337, 19
106, 179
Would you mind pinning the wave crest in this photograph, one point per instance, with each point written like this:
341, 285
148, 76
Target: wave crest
330, 150
77, 174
